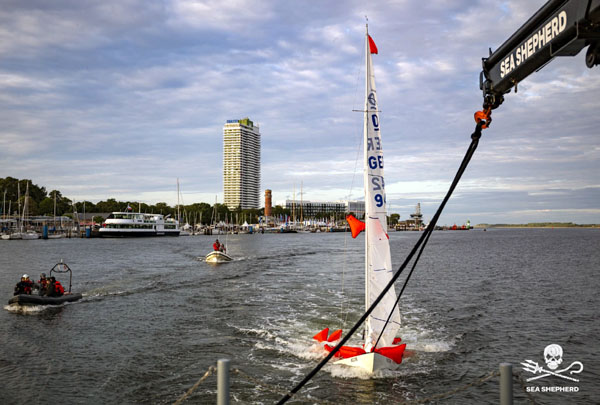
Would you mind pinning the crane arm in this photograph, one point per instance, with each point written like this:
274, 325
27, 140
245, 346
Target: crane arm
558, 28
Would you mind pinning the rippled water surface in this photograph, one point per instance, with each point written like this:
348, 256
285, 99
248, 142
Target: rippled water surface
155, 317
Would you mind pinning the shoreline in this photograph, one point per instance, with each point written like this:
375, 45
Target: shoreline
485, 226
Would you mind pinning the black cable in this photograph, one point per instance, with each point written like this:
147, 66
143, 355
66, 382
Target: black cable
430, 228
402, 290
471, 150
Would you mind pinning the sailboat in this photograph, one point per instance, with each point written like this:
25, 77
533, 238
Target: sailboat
29, 234
381, 349
15, 232
54, 234
183, 230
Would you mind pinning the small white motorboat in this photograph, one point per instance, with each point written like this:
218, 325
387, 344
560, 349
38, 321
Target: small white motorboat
218, 257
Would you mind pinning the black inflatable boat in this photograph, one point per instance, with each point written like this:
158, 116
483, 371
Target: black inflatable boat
43, 300
35, 299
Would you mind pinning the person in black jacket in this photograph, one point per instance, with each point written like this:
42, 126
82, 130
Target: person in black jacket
24, 286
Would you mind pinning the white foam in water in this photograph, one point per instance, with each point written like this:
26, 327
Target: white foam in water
342, 371
293, 336
416, 333
256, 332
425, 340
103, 292
25, 309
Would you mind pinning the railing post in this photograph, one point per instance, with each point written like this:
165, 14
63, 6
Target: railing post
506, 384
223, 382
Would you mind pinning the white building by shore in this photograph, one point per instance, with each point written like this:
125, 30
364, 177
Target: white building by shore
311, 208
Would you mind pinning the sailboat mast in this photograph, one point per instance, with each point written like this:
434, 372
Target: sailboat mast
54, 210
19, 198
365, 167
301, 205
178, 216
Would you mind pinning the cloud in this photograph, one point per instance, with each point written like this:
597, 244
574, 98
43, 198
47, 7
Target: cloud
117, 99
230, 16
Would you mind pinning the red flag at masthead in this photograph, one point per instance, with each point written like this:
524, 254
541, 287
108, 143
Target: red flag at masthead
372, 46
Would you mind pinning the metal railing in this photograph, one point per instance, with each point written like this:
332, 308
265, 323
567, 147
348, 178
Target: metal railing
224, 370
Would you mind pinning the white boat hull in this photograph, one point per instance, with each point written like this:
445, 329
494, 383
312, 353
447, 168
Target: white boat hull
218, 257
30, 236
370, 362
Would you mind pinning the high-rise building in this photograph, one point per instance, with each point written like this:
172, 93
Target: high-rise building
241, 164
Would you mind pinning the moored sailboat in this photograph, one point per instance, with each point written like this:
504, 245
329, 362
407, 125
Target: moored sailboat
27, 234
380, 348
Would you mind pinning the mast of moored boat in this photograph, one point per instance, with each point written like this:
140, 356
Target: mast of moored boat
178, 215
55, 211
19, 205
25, 210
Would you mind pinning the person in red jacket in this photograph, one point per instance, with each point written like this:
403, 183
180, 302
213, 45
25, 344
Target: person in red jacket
55, 289
58, 288
216, 246
42, 284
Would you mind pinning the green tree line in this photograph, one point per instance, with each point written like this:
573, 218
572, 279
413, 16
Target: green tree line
41, 202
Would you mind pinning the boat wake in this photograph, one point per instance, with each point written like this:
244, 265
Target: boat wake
418, 331
290, 342
117, 289
28, 309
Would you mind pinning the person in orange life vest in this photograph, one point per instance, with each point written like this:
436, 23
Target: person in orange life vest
24, 286
216, 246
54, 289
42, 284
58, 288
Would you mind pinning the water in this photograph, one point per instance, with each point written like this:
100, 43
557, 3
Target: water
155, 317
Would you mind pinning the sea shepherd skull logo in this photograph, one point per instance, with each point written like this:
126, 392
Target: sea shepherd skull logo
553, 355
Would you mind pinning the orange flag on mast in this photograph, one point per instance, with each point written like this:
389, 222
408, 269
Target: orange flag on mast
356, 225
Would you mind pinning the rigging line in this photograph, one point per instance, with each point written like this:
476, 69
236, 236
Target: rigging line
344, 317
344, 267
474, 141
471, 150
360, 146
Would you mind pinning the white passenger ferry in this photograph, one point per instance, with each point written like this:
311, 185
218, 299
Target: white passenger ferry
130, 224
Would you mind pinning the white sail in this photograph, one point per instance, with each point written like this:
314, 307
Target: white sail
378, 262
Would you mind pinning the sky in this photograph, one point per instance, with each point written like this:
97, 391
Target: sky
120, 98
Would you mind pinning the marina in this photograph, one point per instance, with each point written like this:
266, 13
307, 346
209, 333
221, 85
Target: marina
150, 325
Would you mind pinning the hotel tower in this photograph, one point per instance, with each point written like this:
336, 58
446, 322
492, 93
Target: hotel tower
241, 164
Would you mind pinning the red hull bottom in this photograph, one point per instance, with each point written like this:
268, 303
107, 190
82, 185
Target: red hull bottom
394, 353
